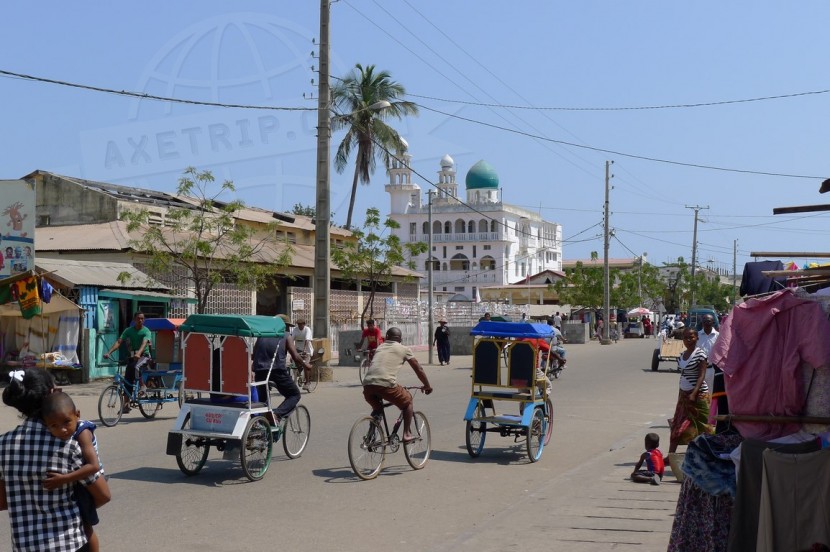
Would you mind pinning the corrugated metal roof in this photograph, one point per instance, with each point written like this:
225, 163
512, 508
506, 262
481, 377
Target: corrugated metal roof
96, 273
112, 236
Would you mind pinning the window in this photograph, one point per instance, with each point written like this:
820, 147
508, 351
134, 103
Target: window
291, 237
492, 226
426, 227
459, 226
459, 248
448, 227
459, 289
413, 228
445, 251
471, 227
486, 247
474, 252
436, 227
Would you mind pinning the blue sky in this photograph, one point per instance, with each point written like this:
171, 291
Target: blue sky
466, 64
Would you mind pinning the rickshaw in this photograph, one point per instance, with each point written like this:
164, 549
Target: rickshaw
229, 415
508, 369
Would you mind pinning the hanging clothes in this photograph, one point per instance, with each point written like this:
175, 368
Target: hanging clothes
25, 292
753, 281
761, 348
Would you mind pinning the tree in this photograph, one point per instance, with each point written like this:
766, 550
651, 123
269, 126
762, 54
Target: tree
643, 279
206, 241
304, 210
370, 258
366, 130
583, 285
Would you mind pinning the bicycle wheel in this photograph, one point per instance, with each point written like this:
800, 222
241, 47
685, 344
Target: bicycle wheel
364, 367
193, 452
150, 409
418, 450
548, 420
536, 435
255, 450
313, 380
476, 434
296, 430
367, 447
110, 406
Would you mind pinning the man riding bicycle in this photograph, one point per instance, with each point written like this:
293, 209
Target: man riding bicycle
372, 336
302, 341
381, 380
138, 338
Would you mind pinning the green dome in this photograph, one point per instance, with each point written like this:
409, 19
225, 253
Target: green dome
482, 176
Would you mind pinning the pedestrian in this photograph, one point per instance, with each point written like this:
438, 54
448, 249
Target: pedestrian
442, 341
691, 415
557, 321
41, 519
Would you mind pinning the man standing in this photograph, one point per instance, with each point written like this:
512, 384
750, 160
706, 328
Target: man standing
557, 321
302, 341
138, 338
381, 380
442, 341
706, 339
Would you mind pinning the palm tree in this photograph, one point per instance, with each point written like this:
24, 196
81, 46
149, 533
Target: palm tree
355, 99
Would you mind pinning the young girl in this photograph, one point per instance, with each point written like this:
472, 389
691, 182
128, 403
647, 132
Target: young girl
63, 421
40, 519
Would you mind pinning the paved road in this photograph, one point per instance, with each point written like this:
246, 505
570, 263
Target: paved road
575, 498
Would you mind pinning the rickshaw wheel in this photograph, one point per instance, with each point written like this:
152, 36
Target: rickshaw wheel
295, 432
183, 396
535, 435
150, 409
110, 406
417, 452
257, 443
476, 434
193, 453
367, 448
548, 419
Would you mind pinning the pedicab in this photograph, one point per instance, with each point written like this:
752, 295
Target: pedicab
508, 372
229, 415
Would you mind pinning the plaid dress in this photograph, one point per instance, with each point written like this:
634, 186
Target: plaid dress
40, 519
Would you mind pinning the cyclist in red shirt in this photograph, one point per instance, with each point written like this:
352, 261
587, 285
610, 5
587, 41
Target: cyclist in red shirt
372, 336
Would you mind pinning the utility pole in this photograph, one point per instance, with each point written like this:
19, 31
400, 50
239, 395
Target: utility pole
606, 303
322, 212
694, 252
430, 317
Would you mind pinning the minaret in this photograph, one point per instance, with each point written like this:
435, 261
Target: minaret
403, 193
447, 186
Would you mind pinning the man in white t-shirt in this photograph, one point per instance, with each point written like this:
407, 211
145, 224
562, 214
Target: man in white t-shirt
302, 341
706, 339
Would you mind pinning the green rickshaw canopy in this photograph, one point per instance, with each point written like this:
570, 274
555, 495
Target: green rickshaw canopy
234, 324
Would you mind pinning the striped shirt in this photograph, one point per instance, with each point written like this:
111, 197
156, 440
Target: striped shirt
690, 370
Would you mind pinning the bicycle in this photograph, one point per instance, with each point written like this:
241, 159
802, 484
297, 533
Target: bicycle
149, 401
370, 441
365, 361
298, 374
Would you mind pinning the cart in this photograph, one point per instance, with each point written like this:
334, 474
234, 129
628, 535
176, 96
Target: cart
668, 348
163, 377
508, 373
229, 415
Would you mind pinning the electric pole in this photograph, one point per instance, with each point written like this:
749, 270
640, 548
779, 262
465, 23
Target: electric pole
694, 252
322, 213
606, 303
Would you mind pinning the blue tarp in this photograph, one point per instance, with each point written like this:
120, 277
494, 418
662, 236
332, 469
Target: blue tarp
512, 329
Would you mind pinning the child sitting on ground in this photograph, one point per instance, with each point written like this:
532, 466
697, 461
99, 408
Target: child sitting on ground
653, 459
63, 421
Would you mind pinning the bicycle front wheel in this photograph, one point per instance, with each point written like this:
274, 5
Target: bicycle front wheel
364, 367
257, 444
417, 450
548, 419
296, 431
367, 448
149, 407
110, 406
313, 379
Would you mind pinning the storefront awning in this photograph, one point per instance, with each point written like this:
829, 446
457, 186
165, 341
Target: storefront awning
143, 295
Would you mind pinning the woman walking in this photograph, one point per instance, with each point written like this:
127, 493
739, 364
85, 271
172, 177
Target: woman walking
691, 415
442, 340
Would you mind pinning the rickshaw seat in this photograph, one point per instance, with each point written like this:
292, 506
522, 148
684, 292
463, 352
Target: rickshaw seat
486, 363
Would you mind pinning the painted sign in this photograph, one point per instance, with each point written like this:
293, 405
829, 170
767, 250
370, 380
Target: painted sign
17, 227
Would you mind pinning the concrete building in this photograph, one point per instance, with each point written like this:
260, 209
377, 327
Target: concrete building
478, 240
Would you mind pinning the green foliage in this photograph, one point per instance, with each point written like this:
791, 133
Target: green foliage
366, 130
627, 291
583, 286
206, 241
304, 210
369, 259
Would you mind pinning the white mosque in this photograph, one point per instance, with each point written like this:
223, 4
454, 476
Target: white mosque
477, 241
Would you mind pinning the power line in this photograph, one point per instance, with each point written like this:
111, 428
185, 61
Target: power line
628, 108
623, 154
144, 96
